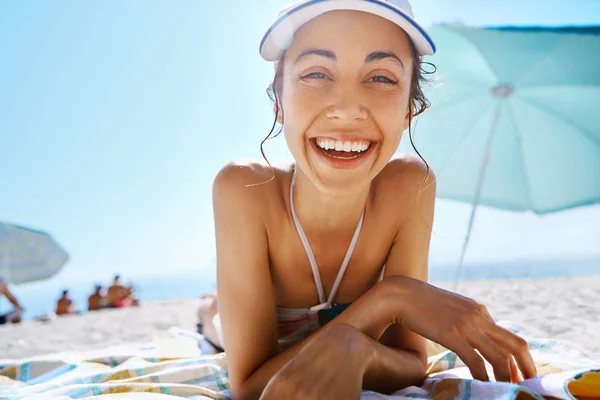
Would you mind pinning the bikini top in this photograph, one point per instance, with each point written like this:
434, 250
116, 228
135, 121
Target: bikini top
294, 324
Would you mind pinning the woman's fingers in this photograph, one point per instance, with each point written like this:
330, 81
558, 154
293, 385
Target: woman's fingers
472, 327
469, 356
515, 345
511, 343
515, 375
498, 345
496, 356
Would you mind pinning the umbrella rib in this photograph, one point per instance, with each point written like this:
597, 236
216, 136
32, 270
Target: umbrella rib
469, 132
567, 120
522, 151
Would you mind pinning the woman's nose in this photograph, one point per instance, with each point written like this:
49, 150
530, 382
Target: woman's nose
347, 108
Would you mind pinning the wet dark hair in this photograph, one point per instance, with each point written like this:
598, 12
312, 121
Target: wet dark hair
418, 102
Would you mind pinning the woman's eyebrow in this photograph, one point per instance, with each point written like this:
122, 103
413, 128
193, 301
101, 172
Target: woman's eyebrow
374, 56
317, 52
380, 55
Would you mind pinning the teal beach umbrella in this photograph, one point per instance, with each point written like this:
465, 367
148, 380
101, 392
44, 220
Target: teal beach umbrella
515, 118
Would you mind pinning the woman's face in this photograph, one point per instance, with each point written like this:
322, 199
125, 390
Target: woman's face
345, 97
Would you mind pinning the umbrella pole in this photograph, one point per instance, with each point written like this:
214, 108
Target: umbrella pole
480, 179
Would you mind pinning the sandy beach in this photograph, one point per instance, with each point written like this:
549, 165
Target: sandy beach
561, 308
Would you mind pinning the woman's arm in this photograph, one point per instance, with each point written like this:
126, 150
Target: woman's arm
414, 190
466, 326
384, 369
337, 363
246, 300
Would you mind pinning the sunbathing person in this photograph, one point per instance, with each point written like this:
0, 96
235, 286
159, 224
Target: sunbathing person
118, 295
65, 304
322, 265
14, 316
96, 301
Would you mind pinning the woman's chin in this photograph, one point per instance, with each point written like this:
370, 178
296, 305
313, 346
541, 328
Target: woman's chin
336, 180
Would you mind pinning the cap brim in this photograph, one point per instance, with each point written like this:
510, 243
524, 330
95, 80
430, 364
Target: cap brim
279, 35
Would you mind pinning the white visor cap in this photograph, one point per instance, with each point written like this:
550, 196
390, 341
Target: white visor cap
280, 33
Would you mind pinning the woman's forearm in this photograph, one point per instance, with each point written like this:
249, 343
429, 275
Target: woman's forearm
393, 369
374, 311
255, 384
369, 314
339, 361
253, 387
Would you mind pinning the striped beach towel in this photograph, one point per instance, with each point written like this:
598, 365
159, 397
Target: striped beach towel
175, 365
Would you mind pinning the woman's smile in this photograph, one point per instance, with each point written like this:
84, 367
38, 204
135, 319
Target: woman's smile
342, 153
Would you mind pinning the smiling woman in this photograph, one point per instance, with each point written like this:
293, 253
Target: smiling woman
324, 258
418, 101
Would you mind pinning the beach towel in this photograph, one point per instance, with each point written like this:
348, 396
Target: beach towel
175, 364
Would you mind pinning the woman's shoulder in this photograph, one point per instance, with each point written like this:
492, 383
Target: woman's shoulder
250, 180
252, 173
406, 169
406, 176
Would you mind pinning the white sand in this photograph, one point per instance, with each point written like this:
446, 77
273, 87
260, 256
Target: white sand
563, 308
567, 309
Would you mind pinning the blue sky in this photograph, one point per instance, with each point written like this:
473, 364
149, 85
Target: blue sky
115, 116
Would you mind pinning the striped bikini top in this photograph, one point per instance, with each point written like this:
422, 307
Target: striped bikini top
294, 324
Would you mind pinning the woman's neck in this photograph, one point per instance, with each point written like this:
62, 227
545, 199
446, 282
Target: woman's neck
323, 212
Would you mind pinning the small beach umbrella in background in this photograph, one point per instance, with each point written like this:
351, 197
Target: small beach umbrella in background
515, 118
27, 255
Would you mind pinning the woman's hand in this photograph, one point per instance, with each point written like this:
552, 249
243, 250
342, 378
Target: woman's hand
331, 366
460, 324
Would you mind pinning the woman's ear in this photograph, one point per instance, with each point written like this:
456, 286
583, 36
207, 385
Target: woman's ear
278, 112
407, 117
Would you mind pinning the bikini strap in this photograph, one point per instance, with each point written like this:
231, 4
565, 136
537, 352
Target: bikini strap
311, 258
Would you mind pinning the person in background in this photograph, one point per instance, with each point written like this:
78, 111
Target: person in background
115, 291
65, 304
119, 295
15, 315
96, 301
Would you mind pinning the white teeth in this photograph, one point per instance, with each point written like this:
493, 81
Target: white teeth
343, 145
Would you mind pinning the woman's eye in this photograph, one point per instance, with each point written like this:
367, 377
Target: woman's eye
315, 75
383, 79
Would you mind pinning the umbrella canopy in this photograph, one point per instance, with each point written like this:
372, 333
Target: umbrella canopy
515, 115
515, 118
27, 255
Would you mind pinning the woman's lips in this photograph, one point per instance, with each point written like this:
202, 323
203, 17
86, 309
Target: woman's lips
342, 159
